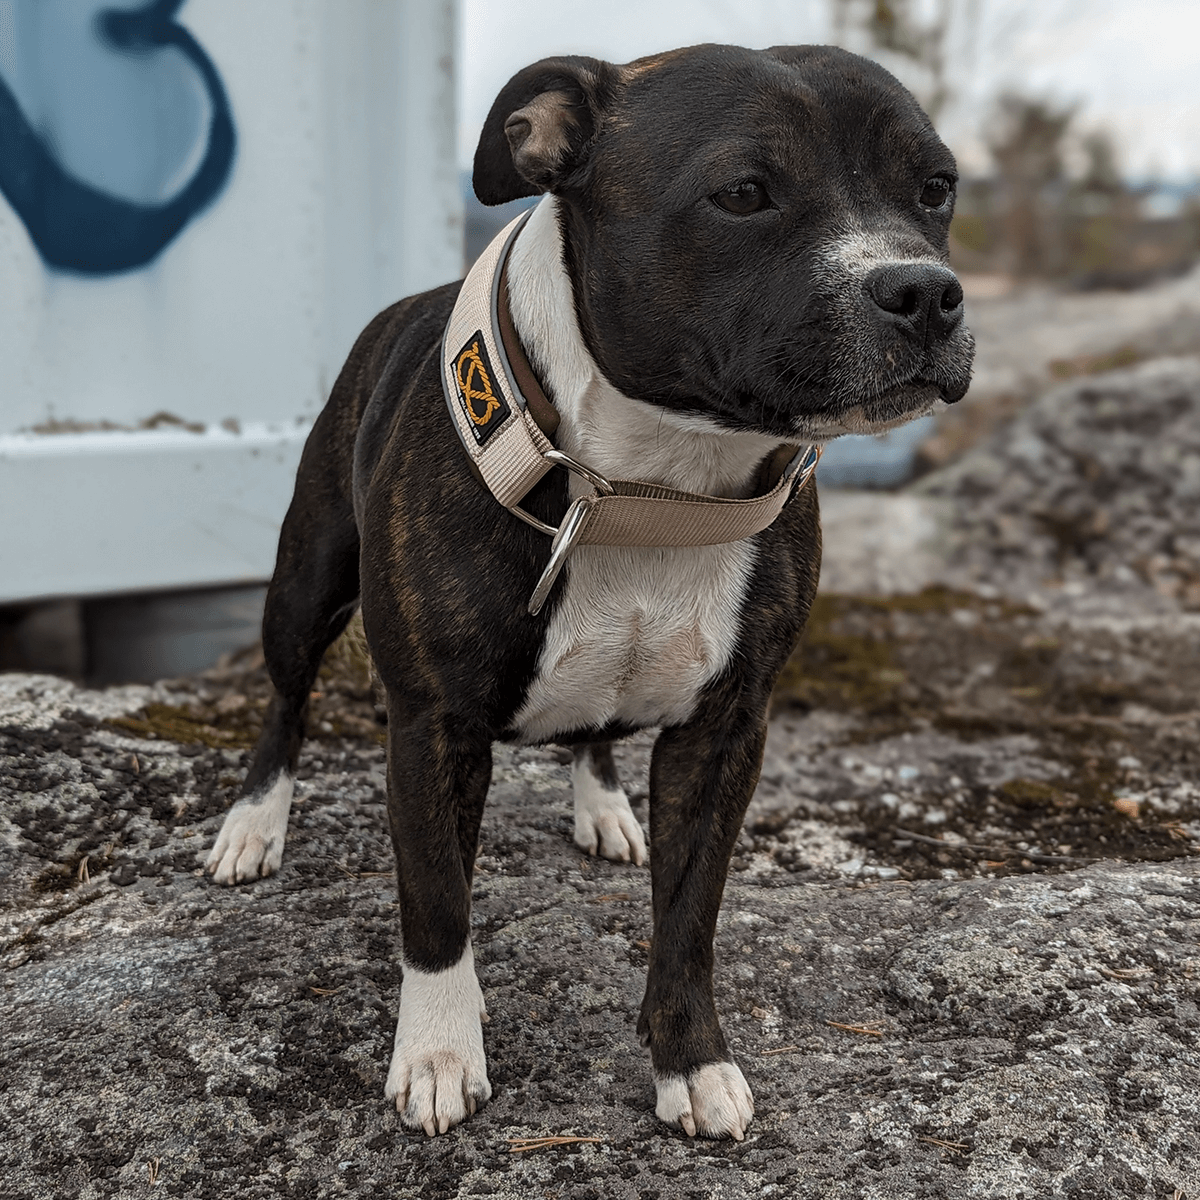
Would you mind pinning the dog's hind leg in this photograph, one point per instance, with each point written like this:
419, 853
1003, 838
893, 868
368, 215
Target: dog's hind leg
604, 822
439, 767
313, 594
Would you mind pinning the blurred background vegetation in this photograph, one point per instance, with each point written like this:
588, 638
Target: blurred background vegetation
1093, 228
1057, 204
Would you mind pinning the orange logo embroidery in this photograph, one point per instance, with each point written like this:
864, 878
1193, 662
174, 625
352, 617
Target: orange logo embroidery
481, 401
475, 385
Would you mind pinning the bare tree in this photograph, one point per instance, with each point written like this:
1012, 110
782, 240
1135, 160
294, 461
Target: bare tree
1027, 146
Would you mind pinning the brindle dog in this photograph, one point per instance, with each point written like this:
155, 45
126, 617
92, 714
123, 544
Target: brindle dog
738, 250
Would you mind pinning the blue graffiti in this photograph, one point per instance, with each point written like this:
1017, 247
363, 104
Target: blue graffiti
109, 214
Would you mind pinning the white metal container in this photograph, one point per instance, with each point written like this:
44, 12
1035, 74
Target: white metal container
340, 197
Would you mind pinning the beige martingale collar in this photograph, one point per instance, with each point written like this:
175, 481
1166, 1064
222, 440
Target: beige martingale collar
505, 423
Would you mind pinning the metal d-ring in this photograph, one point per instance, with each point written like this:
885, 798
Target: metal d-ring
577, 468
567, 534
564, 542
808, 463
559, 459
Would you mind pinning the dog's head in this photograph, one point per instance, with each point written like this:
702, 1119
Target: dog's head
756, 237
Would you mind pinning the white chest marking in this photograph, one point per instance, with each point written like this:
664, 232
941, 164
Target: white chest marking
638, 631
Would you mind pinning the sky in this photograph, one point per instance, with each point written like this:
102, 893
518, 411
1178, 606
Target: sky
1132, 66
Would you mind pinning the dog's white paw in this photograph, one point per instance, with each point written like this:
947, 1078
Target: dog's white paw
438, 1075
604, 822
250, 844
714, 1101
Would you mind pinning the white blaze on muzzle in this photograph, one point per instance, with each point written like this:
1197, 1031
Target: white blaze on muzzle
493, 396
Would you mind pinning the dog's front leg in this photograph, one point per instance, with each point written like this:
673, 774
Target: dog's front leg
702, 776
438, 774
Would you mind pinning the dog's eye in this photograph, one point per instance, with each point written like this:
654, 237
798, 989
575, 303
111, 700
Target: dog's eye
936, 191
742, 199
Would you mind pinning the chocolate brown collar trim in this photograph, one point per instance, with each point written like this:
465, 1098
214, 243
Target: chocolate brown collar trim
536, 401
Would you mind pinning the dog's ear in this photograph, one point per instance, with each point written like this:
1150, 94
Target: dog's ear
541, 127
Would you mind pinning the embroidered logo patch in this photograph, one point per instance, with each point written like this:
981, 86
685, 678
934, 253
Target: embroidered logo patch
481, 400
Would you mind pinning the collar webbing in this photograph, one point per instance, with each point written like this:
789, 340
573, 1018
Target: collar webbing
494, 416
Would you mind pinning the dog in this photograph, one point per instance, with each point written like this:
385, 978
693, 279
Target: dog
735, 251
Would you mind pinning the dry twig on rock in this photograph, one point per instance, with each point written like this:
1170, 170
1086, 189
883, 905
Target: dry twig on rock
520, 1145
855, 1029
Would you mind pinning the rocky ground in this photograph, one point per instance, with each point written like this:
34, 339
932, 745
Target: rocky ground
1091, 495
1030, 335
959, 953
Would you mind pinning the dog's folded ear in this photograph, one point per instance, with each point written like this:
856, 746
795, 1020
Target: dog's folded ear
541, 127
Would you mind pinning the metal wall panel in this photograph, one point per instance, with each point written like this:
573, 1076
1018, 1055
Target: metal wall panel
340, 195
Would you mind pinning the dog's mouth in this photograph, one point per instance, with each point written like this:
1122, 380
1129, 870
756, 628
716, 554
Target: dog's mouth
827, 384
840, 412
872, 397
875, 414
865, 369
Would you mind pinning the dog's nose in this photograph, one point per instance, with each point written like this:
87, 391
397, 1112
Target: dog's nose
925, 298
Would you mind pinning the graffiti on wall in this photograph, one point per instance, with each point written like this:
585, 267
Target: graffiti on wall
115, 129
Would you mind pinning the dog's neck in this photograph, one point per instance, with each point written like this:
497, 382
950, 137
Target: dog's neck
612, 433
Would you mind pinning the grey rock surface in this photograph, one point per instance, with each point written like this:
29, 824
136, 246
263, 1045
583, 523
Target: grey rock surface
883, 542
1020, 333
1030, 1036
958, 955
1090, 498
